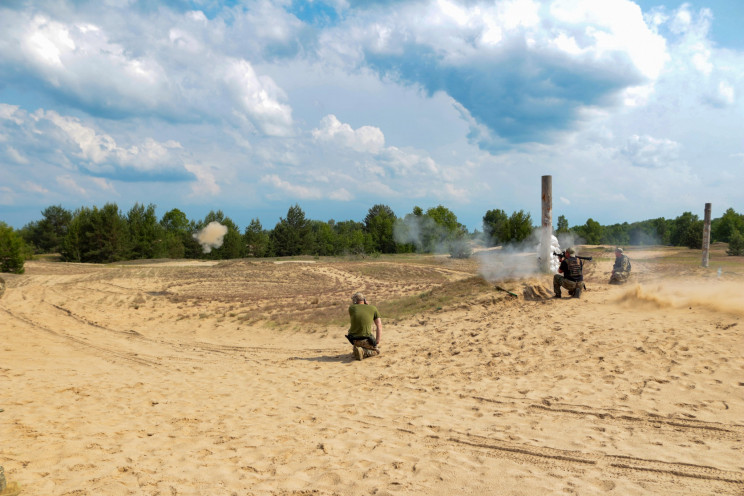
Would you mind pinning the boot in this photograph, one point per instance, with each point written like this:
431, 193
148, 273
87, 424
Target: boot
577, 292
370, 353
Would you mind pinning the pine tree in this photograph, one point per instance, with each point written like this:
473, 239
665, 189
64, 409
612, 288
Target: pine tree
12, 249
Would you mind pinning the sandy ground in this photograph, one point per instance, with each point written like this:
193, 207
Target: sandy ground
192, 378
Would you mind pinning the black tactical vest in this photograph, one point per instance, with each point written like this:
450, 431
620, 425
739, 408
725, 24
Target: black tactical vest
575, 272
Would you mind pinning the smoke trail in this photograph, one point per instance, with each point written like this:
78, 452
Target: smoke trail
211, 237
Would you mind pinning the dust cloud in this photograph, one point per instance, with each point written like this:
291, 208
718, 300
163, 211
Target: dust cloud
718, 296
211, 237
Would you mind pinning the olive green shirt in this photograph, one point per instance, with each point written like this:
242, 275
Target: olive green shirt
363, 320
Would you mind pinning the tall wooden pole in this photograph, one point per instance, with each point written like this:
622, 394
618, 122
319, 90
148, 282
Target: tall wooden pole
546, 237
706, 235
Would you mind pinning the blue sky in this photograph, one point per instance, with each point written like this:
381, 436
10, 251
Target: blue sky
634, 108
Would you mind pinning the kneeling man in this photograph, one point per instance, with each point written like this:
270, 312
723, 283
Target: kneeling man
363, 319
571, 275
621, 269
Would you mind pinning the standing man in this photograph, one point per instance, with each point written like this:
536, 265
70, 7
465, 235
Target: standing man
570, 276
621, 269
364, 318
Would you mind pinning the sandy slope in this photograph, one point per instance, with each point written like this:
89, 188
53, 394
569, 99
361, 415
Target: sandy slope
174, 379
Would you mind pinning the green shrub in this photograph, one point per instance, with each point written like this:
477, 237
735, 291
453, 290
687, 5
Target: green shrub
12, 250
460, 248
736, 244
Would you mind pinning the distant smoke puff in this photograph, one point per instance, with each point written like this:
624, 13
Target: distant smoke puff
211, 236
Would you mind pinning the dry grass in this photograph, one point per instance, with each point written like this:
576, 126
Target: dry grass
315, 292
449, 294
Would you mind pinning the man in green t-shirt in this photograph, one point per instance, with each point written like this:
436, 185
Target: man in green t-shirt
364, 319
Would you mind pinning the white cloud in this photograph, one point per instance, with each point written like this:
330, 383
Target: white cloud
523, 70
70, 184
103, 184
613, 27
461, 101
35, 188
341, 194
46, 41
177, 74
16, 156
93, 147
100, 153
258, 98
457, 194
10, 113
722, 96
518, 14
8, 195
647, 151
407, 163
366, 139
205, 184
301, 192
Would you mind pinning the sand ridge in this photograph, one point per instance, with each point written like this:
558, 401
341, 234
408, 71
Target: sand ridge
216, 379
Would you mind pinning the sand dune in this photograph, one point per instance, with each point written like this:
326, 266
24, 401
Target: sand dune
233, 378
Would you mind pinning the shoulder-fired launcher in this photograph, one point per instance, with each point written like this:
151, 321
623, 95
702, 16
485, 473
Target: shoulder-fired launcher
563, 255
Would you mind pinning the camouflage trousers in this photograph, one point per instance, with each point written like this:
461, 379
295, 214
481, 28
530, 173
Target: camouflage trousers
619, 278
367, 349
561, 282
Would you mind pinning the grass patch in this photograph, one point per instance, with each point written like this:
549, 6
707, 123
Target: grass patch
446, 295
47, 257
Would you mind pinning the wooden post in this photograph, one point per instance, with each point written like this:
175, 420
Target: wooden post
546, 237
706, 235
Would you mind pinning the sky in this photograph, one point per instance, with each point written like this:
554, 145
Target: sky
635, 109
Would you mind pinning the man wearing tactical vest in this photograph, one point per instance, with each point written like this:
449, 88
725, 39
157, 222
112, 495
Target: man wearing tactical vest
570, 276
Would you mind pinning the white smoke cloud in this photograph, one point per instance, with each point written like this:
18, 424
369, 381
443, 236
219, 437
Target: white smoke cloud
423, 232
515, 261
211, 237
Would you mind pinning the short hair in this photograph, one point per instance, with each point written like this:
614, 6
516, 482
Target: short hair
357, 297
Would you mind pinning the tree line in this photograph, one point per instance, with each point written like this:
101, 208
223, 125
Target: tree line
104, 235
685, 230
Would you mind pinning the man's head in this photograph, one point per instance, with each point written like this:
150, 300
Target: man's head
570, 252
357, 298
618, 251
